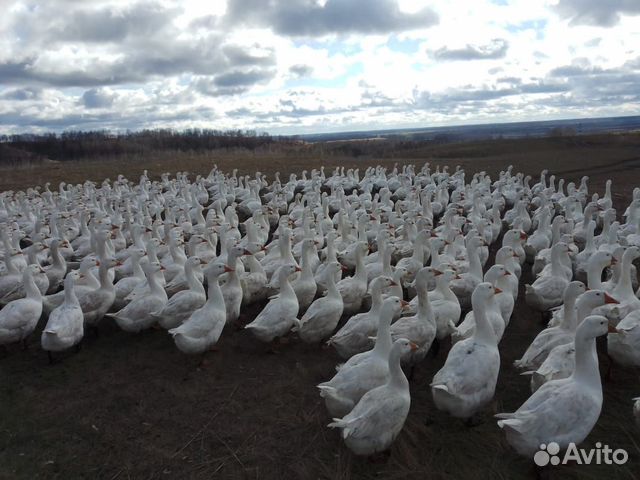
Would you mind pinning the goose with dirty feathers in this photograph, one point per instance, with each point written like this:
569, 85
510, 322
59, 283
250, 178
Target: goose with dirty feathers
561, 411
377, 419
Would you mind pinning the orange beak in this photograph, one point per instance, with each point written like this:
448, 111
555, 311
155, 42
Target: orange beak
393, 284
613, 261
498, 290
523, 236
246, 252
507, 273
298, 269
436, 272
227, 269
609, 299
404, 304
612, 329
413, 346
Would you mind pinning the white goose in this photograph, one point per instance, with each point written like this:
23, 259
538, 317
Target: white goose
355, 336
467, 381
420, 328
353, 289
65, 326
97, 302
19, 318
551, 337
364, 371
560, 361
305, 285
126, 285
202, 329
254, 279
279, 315
465, 287
562, 411
136, 316
180, 306
378, 417
322, 317
546, 292
494, 308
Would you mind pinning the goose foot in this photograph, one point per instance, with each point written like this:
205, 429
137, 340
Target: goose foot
608, 374
542, 473
474, 421
380, 457
435, 348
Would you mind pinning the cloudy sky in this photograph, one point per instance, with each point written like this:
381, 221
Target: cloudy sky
298, 66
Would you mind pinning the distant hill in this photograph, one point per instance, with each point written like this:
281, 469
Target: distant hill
489, 131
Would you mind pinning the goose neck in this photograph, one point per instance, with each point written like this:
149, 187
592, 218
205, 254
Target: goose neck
397, 378
484, 331
586, 370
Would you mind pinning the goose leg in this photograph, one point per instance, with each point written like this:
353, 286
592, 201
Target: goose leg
435, 348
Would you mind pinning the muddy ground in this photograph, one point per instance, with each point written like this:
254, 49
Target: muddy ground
132, 406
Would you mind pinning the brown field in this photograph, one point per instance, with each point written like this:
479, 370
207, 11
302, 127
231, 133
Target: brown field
132, 406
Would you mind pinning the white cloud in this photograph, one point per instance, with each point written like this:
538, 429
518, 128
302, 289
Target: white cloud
305, 65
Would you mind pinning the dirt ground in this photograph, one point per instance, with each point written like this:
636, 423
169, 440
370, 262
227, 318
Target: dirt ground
132, 406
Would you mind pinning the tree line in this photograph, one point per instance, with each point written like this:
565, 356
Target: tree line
75, 145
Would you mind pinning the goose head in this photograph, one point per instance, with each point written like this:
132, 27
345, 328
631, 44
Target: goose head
216, 269
593, 326
483, 294
595, 298
150, 268
334, 267
602, 259
392, 307
379, 283
287, 270
495, 273
402, 346
251, 248
574, 290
